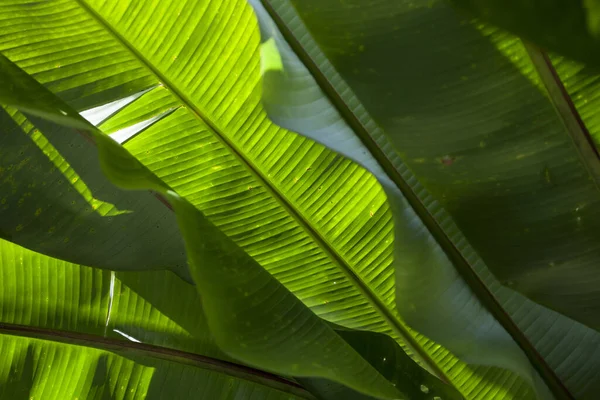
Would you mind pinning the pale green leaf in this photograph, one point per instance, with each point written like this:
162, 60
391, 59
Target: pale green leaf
86, 309
34, 368
251, 315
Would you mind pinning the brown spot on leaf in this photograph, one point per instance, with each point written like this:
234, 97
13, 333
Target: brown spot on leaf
447, 160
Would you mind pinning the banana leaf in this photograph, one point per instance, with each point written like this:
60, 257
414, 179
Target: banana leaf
571, 28
69, 331
83, 368
242, 302
294, 101
514, 200
316, 221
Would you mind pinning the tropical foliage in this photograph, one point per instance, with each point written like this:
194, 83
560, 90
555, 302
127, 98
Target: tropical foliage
281, 199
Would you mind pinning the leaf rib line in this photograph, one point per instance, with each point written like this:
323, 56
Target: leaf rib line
111, 295
374, 301
565, 108
429, 220
123, 347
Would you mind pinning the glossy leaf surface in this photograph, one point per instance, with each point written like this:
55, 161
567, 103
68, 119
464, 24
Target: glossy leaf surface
34, 368
427, 283
239, 295
55, 201
70, 330
571, 28
353, 51
316, 221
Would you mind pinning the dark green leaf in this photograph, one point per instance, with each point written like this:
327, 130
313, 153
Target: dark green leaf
392, 362
568, 27
55, 201
430, 104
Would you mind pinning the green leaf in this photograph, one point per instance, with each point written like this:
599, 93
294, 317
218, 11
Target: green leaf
151, 307
83, 218
256, 320
254, 196
387, 357
571, 28
69, 316
363, 60
34, 368
44, 292
426, 282
316, 221
18, 92
510, 164
252, 316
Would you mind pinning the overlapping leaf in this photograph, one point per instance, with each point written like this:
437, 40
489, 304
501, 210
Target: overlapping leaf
476, 88
34, 368
59, 301
304, 111
253, 317
55, 201
430, 293
316, 221
86, 309
299, 259
569, 27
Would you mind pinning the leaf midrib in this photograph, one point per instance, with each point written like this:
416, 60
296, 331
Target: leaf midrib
123, 347
322, 242
429, 220
582, 140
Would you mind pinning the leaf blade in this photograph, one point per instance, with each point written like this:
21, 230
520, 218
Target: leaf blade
337, 48
215, 254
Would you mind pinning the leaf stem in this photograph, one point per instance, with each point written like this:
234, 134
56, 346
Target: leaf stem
563, 104
322, 242
462, 265
127, 348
